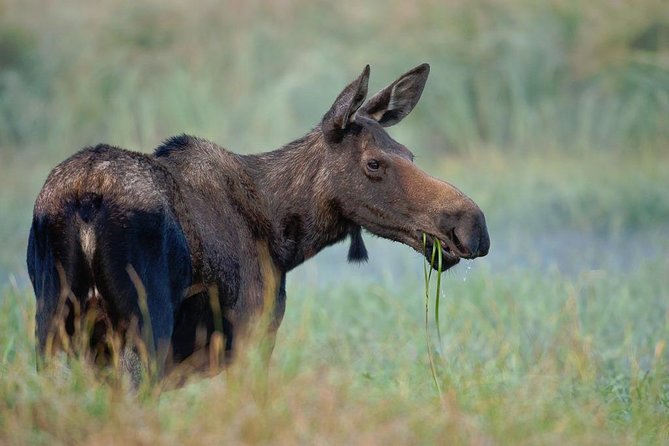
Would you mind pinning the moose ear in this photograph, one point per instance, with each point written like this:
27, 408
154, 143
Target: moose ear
390, 105
345, 106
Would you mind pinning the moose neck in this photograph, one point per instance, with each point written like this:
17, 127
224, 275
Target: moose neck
304, 214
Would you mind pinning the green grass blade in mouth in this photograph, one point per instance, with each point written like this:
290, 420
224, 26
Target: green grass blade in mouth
438, 291
427, 274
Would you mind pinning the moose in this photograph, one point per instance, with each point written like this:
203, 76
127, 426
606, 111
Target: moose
193, 242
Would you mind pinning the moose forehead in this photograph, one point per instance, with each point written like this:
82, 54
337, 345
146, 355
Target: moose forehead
384, 142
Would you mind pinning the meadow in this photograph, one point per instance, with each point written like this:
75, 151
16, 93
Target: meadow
553, 116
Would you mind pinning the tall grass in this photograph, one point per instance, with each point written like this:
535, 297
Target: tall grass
526, 359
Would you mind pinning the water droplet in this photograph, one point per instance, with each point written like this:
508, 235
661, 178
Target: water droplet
468, 268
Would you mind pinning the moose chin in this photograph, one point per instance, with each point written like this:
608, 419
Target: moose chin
193, 242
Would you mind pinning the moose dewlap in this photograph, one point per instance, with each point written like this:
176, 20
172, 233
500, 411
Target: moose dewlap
193, 242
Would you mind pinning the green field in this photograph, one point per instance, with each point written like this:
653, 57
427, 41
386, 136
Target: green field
553, 116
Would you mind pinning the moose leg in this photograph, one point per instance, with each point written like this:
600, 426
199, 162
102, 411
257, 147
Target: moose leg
276, 316
273, 312
142, 268
194, 326
61, 281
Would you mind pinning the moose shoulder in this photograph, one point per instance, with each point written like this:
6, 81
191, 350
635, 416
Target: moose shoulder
194, 242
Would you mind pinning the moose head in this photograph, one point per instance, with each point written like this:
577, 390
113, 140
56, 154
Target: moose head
379, 186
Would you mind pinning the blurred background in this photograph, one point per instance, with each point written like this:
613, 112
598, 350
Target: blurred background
552, 115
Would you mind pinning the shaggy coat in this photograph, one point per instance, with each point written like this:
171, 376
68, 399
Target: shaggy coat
194, 241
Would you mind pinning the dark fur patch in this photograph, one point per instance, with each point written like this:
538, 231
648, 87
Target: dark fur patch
357, 252
89, 203
179, 142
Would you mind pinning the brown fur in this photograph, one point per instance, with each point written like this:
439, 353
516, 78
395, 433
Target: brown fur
212, 234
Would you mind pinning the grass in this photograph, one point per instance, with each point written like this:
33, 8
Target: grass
551, 115
427, 276
526, 359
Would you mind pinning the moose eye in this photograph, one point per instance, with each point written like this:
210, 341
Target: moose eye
373, 165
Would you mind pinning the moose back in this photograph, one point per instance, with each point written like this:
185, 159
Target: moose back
193, 242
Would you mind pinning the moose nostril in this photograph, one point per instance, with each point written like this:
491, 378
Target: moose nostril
484, 243
464, 250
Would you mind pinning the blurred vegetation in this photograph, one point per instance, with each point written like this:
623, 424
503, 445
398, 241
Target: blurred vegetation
517, 74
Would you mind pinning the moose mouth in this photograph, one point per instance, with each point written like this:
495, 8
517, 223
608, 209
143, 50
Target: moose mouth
451, 250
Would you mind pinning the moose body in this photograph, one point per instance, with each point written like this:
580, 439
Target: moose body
194, 240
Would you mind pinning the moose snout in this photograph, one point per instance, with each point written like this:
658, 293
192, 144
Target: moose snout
467, 233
